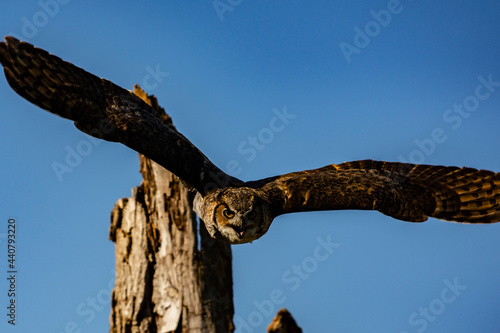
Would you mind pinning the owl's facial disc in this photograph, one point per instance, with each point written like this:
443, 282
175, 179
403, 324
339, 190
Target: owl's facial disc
234, 215
237, 225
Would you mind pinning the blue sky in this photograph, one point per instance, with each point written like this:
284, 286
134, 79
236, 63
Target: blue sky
385, 80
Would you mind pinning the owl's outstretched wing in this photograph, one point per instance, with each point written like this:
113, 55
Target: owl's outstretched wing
403, 191
102, 109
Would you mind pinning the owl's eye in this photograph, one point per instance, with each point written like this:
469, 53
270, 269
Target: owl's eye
252, 214
229, 214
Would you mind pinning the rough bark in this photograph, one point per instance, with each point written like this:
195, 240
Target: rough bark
170, 275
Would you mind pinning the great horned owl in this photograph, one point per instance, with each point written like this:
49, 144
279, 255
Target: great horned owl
233, 210
238, 214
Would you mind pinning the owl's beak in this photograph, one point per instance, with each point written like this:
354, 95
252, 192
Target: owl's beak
239, 231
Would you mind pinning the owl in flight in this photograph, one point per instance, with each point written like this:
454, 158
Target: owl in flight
233, 210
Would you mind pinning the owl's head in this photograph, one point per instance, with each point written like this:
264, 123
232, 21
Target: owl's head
235, 215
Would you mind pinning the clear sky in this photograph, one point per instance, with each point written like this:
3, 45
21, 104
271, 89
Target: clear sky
387, 80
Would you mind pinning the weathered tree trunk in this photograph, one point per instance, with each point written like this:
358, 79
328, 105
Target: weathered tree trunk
170, 275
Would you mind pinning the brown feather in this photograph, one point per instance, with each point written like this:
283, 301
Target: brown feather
407, 192
106, 111
102, 109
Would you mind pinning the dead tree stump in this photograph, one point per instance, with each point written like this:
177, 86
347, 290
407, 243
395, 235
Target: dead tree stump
170, 275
